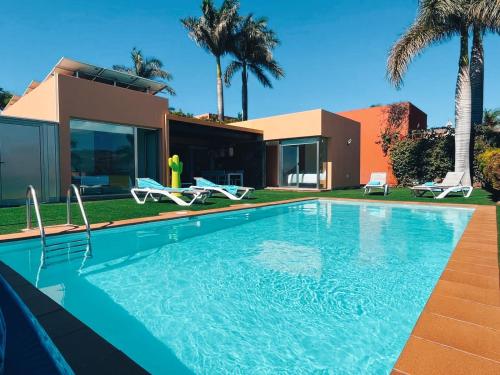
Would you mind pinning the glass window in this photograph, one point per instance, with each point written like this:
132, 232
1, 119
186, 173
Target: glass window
303, 163
102, 157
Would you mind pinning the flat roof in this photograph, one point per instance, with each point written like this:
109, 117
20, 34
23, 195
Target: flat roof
196, 121
95, 73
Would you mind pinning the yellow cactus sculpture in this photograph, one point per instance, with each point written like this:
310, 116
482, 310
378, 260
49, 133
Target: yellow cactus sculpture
176, 166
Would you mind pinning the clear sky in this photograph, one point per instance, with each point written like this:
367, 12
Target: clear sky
333, 51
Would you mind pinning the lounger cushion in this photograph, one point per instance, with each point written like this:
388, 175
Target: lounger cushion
429, 184
232, 189
148, 183
374, 183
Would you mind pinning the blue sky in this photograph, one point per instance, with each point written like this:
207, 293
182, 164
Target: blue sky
333, 52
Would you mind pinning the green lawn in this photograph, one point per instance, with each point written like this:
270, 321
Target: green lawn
12, 219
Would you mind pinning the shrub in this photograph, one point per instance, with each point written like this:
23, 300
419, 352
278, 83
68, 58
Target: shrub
485, 139
489, 164
422, 157
396, 114
405, 161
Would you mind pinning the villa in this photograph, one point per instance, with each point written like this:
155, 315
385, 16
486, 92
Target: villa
300, 278
101, 129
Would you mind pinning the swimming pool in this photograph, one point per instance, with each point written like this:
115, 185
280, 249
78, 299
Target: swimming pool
310, 287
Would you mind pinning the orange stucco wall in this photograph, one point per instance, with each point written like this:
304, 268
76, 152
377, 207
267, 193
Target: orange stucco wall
39, 104
342, 159
373, 121
88, 100
342, 153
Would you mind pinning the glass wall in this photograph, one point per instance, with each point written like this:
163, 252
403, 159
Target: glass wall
104, 157
303, 163
148, 148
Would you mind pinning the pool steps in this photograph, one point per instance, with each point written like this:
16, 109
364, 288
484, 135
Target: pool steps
64, 248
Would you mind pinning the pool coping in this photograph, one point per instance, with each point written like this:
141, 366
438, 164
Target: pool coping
458, 331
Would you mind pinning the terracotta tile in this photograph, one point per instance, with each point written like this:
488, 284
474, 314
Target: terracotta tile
469, 292
474, 260
397, 372
429, 358
492, 255
472, 243
471, 338
473, 268
469, 311
491, 282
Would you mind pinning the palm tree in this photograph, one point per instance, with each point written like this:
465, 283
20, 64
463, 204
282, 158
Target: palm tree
477, 75
253, 51
214, 31
491, 117
438, 21
4, 98
488, 12
151, 68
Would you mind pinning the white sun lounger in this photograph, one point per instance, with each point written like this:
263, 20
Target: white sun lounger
378, 180
452, 183
232, 192
156, 191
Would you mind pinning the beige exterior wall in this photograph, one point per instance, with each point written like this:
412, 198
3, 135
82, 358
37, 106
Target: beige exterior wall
88, 100
38, 104
294, 125
342, 158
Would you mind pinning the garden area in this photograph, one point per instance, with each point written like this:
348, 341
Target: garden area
13, 219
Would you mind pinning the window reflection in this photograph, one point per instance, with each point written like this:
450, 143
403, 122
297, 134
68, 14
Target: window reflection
102, 157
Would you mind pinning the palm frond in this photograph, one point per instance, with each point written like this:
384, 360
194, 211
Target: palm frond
151, 68
412, 43
155, 66
232, 68
170, 90
260, 75
274, 68
486, 13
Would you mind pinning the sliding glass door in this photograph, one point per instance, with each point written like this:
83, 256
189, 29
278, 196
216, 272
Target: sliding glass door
289, 165
106, 158
302, 163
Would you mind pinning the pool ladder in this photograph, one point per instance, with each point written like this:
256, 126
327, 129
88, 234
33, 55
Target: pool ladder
63, 248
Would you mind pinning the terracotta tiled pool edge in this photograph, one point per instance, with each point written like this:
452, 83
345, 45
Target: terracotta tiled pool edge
458, 331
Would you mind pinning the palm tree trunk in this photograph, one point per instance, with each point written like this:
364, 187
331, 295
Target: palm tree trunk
463, 110
477, 76
220, 91
477, 88
244, 92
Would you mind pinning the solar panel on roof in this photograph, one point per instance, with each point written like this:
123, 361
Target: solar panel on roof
121, 78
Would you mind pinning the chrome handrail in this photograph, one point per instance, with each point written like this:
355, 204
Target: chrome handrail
31, 195
74, 189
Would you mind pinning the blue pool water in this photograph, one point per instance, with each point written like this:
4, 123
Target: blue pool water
315, 287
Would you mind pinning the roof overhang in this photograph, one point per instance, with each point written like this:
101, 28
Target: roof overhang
213, 124
92, 72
